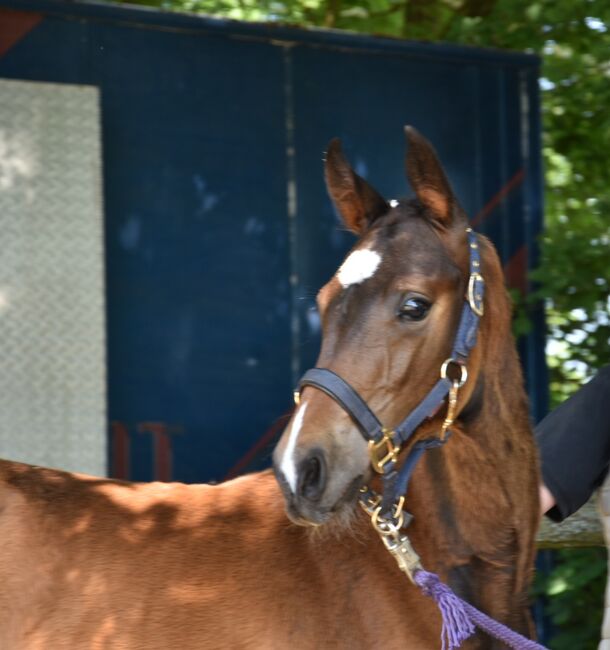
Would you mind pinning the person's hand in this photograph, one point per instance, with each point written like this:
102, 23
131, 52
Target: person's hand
547, 500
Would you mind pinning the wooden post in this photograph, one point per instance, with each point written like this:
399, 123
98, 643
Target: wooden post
583, 528
604, 510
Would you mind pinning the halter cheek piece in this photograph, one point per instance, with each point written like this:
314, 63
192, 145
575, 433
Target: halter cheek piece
385, 444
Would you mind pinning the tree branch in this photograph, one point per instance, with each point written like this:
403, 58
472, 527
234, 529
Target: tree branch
333, 8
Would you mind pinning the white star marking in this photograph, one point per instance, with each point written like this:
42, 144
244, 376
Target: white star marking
359, 266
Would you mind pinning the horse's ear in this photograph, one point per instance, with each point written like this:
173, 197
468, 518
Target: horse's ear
428, 179
358, 203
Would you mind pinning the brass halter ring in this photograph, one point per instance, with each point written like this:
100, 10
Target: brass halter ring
463, 371
456, 384
386, 527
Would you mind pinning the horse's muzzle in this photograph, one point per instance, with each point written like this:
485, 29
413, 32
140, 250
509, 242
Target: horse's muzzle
304, 506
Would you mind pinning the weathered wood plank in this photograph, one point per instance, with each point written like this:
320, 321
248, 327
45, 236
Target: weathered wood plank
604, 509
583, 528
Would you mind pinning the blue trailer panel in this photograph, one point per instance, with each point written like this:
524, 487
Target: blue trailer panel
218, 230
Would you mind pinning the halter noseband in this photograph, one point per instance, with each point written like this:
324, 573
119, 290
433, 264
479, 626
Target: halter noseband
385, 444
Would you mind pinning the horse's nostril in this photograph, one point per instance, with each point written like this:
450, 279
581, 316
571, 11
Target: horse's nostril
312, 476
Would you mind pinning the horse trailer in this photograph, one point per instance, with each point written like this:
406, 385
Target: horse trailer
166, 225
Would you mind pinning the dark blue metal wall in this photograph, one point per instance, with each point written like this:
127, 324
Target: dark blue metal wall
218, 228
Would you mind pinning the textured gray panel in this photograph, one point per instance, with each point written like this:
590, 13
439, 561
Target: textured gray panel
52, 338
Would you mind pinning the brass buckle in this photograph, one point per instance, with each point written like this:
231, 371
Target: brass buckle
384, 451
475, 300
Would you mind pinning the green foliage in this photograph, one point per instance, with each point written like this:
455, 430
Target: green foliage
574, 596
573, 39
574, 272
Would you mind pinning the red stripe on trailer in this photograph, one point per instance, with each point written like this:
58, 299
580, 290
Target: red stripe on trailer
163, 457
260, 444
162, 449
515, 270
14, 25
491, 205
120, 450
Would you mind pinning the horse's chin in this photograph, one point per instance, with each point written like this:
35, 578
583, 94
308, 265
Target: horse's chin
308, 520
339, 516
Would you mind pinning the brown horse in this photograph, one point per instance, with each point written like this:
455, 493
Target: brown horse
89, 563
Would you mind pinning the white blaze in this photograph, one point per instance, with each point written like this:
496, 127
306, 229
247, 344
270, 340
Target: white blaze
288, 466
359, 266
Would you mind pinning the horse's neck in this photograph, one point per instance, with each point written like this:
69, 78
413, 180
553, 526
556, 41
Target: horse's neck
504, 411
475, 498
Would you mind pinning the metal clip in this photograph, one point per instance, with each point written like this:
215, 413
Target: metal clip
407, 559
384, 451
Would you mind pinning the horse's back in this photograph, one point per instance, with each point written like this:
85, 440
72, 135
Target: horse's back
93, 563
90, 562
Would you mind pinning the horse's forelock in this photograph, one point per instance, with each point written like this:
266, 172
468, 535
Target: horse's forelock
411, 242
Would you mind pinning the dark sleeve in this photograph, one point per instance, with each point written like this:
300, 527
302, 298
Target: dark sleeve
574, 444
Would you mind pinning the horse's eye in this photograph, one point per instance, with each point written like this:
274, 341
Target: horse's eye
414, 308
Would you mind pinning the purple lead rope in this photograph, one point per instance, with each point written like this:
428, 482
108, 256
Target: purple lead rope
460, 618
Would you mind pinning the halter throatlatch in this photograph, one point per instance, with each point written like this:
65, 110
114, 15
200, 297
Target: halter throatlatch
384, 443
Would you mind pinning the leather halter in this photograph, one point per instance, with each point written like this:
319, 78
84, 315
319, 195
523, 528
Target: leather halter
385, 444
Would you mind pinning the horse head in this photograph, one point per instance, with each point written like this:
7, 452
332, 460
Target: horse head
389, 318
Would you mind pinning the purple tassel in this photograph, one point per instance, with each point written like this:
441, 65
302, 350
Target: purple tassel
457, 626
